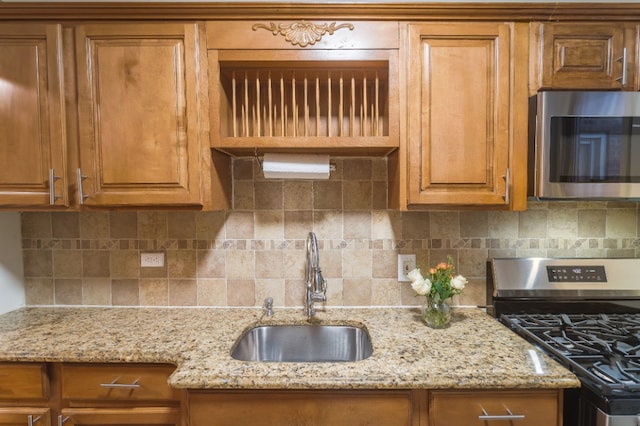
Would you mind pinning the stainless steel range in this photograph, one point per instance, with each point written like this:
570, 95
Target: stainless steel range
586, 314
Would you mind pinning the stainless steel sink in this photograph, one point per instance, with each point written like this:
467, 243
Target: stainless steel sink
303, 343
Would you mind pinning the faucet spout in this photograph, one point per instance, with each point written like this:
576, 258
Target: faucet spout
316, 285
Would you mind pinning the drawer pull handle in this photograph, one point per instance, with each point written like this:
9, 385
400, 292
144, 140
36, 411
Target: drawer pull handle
116, 385
31, 420
510, 416
62, 420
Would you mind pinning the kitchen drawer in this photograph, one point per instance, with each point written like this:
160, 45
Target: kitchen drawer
487, 408
23, 381
117, 382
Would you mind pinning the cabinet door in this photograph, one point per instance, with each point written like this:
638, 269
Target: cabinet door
139, 114
134, 416
31, 116
584, 56
22, 416
459, 113
484, 408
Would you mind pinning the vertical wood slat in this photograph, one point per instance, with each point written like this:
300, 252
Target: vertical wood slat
329, 104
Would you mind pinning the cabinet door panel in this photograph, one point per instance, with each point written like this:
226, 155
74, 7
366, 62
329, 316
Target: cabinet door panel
459, 121
122, 416
31, 115
470, 408
23, 415
138, 111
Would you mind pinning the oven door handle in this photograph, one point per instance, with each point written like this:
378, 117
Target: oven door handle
510, 416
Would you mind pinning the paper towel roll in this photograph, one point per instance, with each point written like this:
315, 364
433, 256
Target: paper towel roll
296, 166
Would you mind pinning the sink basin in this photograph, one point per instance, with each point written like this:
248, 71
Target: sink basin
303, 343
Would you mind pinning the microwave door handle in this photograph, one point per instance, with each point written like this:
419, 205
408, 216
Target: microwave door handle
623, 60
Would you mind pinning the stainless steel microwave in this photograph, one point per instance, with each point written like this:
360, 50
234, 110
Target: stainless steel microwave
587, 145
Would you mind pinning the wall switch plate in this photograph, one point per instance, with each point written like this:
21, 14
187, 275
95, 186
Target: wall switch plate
152, 260
406, 262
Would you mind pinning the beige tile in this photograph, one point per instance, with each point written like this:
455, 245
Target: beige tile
472, 262
532, 224
294, 263
123, 224
154, 292
154, 272
181, 263
357, 169
357, 195
298, 195
385, 292
94, 225
125, 264
474, 224
212, 292
330, 263
503, 224
475, 294
335, 292
36, 225
181, 225
240, 264
210, 225
239, 225
68, 292
241, 292
592, 223
415, 225
37, 263
408, 296
327, 195
387, 225
621, 223
96, 263
357, 224
125, 292
269, 225
243, 168
211, 264
379, 169
379, 195
294, 292
65, 225
152, 225
444, 224
269, 195
274, 288
269, 264
67, 263
96, 291
356, 292
356, 264
297, 224
243, 195
385, 264
562, 223
183, 292
327, 224
39, 291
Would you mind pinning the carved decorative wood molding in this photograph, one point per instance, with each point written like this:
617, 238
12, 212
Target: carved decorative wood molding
302, 33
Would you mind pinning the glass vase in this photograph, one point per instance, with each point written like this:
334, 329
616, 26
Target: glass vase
436, 314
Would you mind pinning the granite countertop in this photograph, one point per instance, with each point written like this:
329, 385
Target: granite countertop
476, 351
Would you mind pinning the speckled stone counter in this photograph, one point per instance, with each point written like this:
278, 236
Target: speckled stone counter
474, 352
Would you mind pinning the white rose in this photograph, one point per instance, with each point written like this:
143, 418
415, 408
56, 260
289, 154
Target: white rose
421, 286
415, 275
458, 282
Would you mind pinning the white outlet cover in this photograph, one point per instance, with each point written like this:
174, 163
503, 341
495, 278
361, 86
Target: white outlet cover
152, 260
406, 262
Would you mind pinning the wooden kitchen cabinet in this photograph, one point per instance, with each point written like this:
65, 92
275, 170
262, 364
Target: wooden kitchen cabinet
139, 113
119, 394
311, 408
487, 408
32, 127
584, 55
24, 395
467, 115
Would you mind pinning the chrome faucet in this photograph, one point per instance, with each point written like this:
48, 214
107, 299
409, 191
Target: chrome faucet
316, 285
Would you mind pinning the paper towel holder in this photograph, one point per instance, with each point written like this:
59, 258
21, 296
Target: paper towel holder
295, 166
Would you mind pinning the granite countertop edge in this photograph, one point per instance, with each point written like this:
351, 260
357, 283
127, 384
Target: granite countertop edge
475, 351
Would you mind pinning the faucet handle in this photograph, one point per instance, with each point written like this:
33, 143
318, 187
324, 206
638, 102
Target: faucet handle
268, 306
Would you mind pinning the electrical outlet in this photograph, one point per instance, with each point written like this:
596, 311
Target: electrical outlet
406, 262
152, 260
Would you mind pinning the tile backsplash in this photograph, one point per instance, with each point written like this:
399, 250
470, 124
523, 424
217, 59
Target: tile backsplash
239, 257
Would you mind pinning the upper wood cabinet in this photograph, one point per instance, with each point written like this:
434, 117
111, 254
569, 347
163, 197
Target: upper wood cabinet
584, 56
32, 126
467, 115
138, 113
299, 85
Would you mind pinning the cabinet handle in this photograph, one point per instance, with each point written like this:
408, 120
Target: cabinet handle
510, 416
52, 189
115, 385
62, 420
623, 60
31, 420
81, 195
507, 187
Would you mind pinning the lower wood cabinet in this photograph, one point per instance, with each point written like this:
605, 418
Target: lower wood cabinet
132, 416
24, 395
308, 408
487, 408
